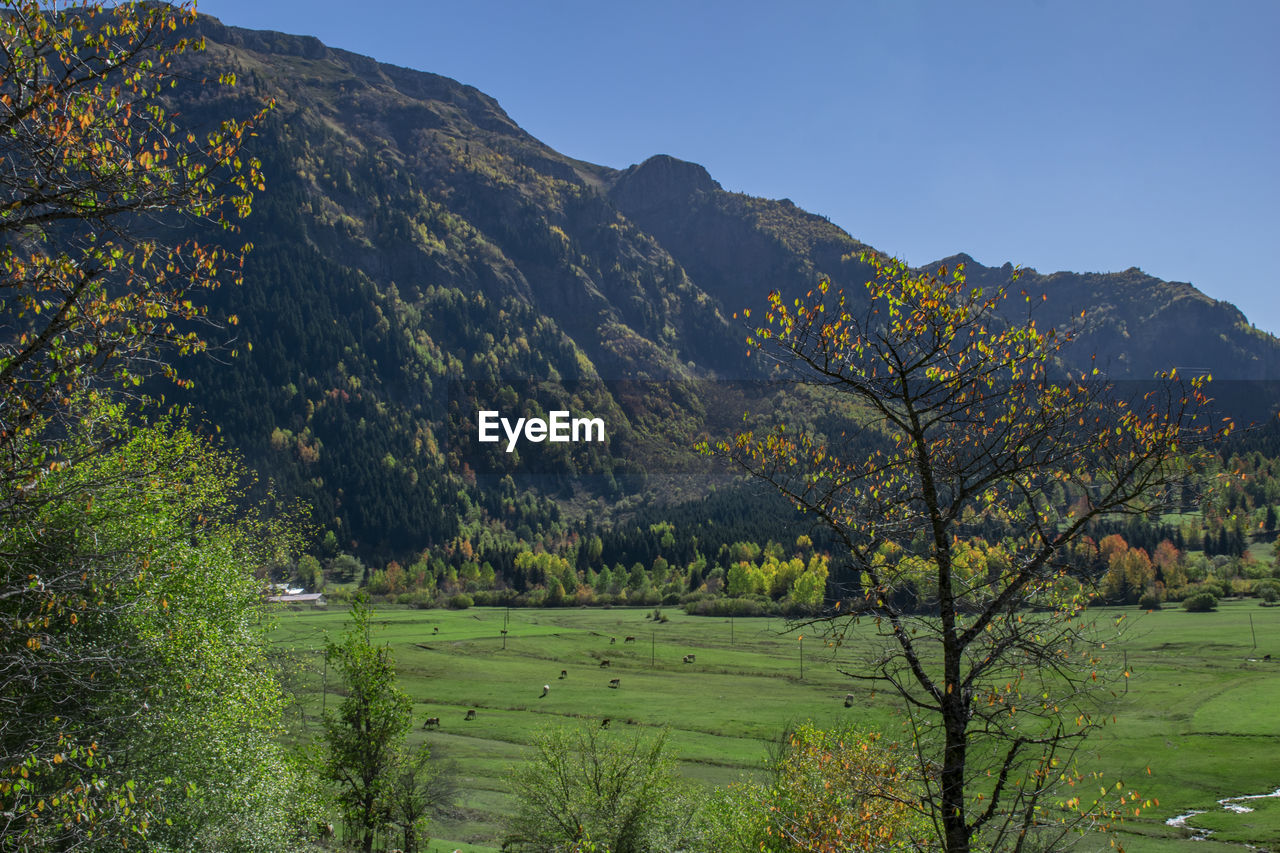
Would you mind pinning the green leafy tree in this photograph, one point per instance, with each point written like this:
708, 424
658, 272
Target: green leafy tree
365, 735
131, 616
994, 665
138, 706
590, 786
419, 789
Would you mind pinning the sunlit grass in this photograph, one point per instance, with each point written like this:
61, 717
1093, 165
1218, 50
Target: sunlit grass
1200, 710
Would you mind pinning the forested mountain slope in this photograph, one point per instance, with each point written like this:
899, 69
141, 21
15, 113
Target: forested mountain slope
417, 252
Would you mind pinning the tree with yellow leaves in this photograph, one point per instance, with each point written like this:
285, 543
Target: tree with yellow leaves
98, 285
962, 552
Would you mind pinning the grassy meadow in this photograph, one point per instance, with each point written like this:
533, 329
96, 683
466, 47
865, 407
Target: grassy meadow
1202, 710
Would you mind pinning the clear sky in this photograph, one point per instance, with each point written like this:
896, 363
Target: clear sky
1083, 135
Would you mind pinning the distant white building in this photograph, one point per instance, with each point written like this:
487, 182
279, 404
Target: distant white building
298, 597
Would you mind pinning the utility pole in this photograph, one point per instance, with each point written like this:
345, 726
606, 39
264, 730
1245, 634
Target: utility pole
802, 657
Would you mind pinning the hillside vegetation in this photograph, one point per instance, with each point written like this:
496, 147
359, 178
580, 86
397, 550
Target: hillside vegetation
417, 252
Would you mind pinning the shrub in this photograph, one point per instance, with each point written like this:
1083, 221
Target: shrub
460, 601
496, 598
1201, 602
1268, 591
1149, 601
339, 594
420, 599
621, 792
731, 607
536, 597
1255, 570
842, 789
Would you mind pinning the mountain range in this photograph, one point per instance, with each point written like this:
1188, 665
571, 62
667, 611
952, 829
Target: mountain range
416, 251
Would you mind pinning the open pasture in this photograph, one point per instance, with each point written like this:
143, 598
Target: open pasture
1202, 709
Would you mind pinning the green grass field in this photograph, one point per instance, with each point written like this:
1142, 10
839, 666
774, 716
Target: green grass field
1202, 710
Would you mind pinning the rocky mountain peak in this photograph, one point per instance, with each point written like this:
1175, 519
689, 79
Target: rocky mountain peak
661, 180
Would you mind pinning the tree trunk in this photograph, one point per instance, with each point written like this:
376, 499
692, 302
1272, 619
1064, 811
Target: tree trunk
955, 826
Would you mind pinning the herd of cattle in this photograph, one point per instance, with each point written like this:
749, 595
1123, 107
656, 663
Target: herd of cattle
615, 683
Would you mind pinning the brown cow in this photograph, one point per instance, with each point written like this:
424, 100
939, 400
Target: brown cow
432, 723
848, 700
688, 658
615, 682
471, 714
604, 662
629, 640
564, 673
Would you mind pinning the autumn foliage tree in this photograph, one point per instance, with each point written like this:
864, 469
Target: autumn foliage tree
962, 553
838, 790
97, 283
100, 287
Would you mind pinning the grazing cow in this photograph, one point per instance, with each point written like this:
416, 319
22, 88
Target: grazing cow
604, 724
615, 683
1266, 657
604, 662
546, 688
688, 658
564, 673
435, 630
471, 714
629, 640
432, 723
848, 700
613, 640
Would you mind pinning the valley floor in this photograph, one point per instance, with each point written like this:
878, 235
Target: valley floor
1199, 710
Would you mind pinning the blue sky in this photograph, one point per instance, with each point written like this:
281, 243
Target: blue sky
1090, 136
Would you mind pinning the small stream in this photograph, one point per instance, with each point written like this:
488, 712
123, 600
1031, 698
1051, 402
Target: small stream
1231, 804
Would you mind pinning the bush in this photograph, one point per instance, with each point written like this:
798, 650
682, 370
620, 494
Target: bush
1255, 570
339, 594
1149, 601
536, 597
842, 789
731, 607
421, 599
582, 783
496, 598
460, 601
1201, 602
